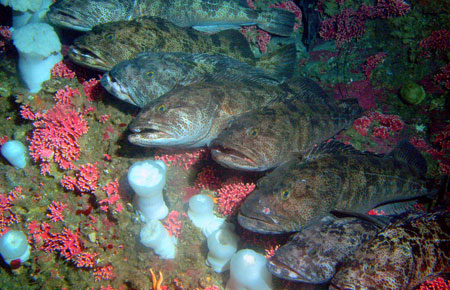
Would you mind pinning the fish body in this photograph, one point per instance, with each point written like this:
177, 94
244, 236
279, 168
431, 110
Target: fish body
207, 16
402, 256
110, 43
311, 255
332, 177
264, 139
152, 74
193, 115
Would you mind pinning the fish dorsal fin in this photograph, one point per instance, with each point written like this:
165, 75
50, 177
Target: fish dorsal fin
406, 152
331, 147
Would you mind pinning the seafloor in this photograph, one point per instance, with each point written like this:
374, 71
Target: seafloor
77, 210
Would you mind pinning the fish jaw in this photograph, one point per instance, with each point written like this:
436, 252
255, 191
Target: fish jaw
68, 18
257, 216
284, 271
86, 57
154, 136
233, 159
116, 88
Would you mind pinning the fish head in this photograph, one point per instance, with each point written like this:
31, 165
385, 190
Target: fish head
382, 263
255, 141
142, 79
311, 255
82, 15
182, 117
106, 45
307, 257
287, 200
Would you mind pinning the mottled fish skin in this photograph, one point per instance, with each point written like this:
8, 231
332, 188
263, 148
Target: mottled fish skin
333, 177
312, 254
402, 256
193, 115
152, 74
108, 44
267, 138
82, 15
208, 16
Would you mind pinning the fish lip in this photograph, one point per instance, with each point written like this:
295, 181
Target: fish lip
231, 155
60, 17
116, 88
246, 222
147, 136
274, 263
84, 56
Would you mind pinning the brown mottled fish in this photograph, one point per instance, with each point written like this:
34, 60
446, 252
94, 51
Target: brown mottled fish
311, 255
152, 74
193, 115
402, 256
208, 16
108, 44
332, 177
264, 139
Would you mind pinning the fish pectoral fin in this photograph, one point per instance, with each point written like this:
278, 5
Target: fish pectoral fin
380, 221
215, 28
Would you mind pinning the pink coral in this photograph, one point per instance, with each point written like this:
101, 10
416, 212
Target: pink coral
65, 95
371, 63
436, 284
62, 70
349, 24
173, 224
56, 209
183, 159
232, 194
85, 179
378, 124
55, 137
113, 197
104, 273
67, 243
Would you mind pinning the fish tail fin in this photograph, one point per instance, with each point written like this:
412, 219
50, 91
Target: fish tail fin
407, 153
277, 21
350, 108
280, 63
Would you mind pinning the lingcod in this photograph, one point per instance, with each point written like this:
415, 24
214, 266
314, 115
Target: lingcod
208, 16
332, 177
264, 139
110, 43
152, 74
193, 115
402, 256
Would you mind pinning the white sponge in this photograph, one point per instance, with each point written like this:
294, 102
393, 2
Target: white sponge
39, 50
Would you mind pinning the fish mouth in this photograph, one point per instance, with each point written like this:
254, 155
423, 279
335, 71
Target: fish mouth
259, 225
114, 87
232, 158
151, 136
66, 20
283, 271
87, 57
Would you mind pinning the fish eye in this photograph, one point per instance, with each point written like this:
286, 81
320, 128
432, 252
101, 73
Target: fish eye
109, 36
253, 132
161, 108
284, 194
149, 74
